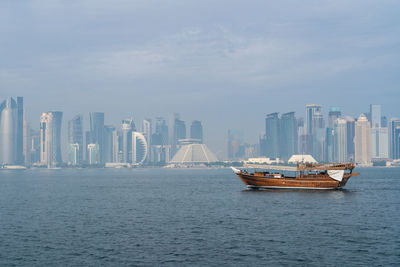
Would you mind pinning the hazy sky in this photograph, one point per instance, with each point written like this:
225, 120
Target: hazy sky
227, 63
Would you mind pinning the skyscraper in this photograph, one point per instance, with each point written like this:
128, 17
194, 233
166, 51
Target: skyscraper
162, 130
116, 146
196, 131
73, 154
376, 114
127, 127
350, 128
8, 132
97, 132
315, 129
393, 140
314, 118
139, 148
50, 138
379, 143
93, 154
272, 132
235, 144
179, 133
340, 140
75, 140
26, 143
362, 140
333, 115
288, 135
108, 143
20, 130
147, 132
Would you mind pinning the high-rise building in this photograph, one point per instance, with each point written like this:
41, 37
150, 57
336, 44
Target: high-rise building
8, 132
172, 132
288, 135
180, 130
147, 132
139, 148
127, 127
384, 122
97, 132
235, 144
362, 141
376, 114
162, 130
73, 154
108, 143
93, 154
333, 115
393, 139
50, 138
116, 136
20, 130
75, 140
315, 129
314, 118
262, 145
196, 131
379, 143
302, 137
340, 140
350, 128
26, 143
329, 149
397, 143
272, 132
35, 147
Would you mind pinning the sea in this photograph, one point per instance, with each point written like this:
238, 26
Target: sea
194, 217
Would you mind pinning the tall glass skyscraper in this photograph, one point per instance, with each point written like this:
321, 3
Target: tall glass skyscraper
97, 132
288, 135
340, 140
20, 130
108, 143
196, 131
376, 114
350, 128
272, 132
393, 138
315, 131
333, 115
75, 138
128, 127
162, 130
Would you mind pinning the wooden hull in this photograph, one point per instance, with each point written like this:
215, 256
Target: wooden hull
306, 182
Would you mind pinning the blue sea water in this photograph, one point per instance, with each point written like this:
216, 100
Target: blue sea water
152, 217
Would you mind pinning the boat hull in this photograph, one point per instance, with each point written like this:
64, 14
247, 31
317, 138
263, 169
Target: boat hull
306, 182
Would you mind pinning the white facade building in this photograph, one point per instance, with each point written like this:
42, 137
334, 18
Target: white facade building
362, 141
379, 143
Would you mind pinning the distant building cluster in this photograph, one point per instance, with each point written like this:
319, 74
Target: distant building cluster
156, 143
365, 140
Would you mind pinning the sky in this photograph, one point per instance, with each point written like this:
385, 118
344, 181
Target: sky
227, 63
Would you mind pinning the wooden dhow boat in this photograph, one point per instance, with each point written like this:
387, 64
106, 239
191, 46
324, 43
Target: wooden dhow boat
302, 176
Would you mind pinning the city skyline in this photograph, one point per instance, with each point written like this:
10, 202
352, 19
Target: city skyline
335, 137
